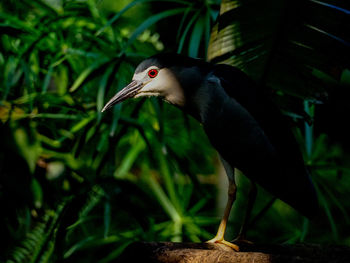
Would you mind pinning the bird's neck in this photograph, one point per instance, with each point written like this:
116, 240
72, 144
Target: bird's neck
206, 96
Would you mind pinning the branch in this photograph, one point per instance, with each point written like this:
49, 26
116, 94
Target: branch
168, 252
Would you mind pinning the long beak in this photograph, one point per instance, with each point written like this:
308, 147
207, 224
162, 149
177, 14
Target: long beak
127, 92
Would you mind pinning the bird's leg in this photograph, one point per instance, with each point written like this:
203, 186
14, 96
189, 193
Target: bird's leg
251, 200
219, 238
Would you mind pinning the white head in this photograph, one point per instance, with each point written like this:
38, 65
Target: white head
151, 79
161, 83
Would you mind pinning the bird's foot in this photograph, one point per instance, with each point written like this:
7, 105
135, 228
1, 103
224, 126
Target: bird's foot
224, 242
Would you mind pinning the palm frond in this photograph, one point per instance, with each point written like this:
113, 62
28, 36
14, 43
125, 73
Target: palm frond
298, 47
38, 245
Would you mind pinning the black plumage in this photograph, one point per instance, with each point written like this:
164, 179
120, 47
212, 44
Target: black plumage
265, 149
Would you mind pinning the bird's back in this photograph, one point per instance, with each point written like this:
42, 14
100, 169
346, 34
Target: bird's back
261, 142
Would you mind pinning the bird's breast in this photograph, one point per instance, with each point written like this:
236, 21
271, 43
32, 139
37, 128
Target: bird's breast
237, 136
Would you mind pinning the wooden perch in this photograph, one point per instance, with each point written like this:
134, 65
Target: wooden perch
168, 252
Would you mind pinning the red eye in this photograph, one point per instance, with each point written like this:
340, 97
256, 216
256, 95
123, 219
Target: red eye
152, 73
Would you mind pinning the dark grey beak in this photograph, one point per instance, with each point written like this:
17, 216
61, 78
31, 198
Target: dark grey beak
127, 92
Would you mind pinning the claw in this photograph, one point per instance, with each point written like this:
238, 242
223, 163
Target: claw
224, 242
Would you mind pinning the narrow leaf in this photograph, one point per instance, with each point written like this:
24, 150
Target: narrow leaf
152, 20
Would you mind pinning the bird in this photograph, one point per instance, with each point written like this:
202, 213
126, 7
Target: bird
241, 121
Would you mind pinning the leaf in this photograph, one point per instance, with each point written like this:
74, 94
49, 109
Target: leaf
81, 124
79, 245
129, 159
163, 199
207, 26
130, 5
152, 20
44, 6
183, 20
47, 80
116, 117
15, 23
37, 193
324, 203
29, 147
284, 40
55, 116
185, 32
39, 242
83, 75
196, 37
12, 74
119, 14
102, 88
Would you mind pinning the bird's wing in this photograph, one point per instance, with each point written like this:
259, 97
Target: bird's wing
275, 125
259, 141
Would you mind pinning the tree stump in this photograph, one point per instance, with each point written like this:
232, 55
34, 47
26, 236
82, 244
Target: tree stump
168, 252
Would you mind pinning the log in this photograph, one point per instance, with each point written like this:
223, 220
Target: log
169, 252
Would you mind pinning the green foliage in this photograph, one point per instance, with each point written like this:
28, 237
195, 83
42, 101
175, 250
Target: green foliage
78, 185
76, 182
38, 244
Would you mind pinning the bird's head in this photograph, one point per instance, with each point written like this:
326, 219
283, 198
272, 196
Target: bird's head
158, 76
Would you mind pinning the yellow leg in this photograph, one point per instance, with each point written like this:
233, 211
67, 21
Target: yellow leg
251, 200
219, 238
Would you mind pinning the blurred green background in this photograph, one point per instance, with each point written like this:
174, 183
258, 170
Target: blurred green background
79, 186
